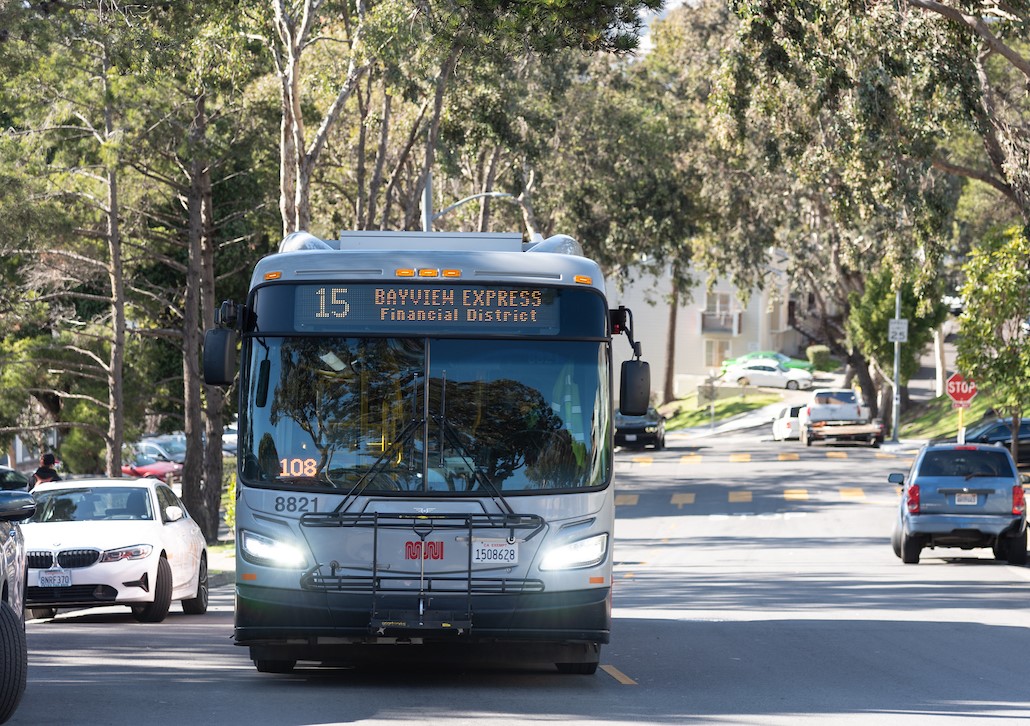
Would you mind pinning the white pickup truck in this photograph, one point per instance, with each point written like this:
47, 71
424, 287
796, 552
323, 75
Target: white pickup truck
838, 414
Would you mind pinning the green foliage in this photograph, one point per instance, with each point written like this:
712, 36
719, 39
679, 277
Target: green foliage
228, 498
938, 417
876, 306
994, 343
819, 357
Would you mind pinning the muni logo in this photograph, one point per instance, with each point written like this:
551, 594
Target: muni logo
431, 551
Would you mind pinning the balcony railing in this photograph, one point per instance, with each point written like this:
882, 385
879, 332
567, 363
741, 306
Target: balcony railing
727, 323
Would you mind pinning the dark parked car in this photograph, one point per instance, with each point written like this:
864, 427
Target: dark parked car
15, 506
961, 495
640, 431
12, 479
996, 431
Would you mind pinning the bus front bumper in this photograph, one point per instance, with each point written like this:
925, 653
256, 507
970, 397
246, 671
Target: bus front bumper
311, 619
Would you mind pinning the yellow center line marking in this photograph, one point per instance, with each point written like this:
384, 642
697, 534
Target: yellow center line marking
789, 457
686, 498
626, 500
643, 460
836, 455
690, 459
885, 455
740, 458
618, 675
851, 493
740, 497
796, 494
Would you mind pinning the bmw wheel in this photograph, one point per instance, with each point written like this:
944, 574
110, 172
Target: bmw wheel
198, 605
155, 612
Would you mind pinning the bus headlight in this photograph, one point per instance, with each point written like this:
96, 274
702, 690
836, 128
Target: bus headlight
263, 550
582, 553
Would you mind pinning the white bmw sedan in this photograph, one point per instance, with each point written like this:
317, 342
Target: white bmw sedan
129, 542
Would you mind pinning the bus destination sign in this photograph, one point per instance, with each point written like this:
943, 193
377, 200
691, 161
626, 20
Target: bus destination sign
364, 307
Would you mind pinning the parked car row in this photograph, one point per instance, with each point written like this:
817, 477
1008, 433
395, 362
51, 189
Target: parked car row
92, 542
767, 372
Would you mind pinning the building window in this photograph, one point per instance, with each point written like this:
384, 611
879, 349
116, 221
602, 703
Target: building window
716, 351
717, 303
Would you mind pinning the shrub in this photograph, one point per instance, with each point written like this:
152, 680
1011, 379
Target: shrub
819, 357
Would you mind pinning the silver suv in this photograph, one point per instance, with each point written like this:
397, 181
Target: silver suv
14, 507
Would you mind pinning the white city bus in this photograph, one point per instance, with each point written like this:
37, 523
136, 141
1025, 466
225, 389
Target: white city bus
424, 447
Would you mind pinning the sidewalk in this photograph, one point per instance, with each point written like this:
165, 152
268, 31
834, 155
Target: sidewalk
221, 566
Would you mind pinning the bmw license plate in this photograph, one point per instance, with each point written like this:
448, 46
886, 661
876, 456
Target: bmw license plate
55, 578
631, 437
965, 498
495, 552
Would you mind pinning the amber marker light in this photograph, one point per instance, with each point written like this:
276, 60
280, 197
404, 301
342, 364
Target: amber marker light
596, 580
584, 280
248, 576
404, 273
452, 273
425, 272
273, 275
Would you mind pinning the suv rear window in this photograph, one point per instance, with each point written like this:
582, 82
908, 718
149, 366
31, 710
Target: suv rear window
835, 397
966, 463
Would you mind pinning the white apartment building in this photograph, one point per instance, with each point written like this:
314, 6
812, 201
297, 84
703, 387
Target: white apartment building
710, 327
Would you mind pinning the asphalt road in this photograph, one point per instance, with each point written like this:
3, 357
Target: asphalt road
754, 584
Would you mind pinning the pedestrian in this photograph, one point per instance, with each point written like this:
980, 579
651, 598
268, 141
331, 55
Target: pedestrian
45, 472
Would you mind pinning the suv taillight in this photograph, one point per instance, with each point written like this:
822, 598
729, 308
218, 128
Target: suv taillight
912, 499
1018, 500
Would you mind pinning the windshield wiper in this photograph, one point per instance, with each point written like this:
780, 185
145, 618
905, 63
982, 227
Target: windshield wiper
406, 433
482, 478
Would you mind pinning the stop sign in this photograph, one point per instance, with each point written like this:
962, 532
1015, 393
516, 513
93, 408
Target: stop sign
960, 390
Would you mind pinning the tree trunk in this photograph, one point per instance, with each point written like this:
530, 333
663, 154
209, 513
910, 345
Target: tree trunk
488, 186
116, 359
670, 352
433, 130
858, 367
214, 396
940, 362
194, 484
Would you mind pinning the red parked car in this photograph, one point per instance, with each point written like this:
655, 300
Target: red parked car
142, 464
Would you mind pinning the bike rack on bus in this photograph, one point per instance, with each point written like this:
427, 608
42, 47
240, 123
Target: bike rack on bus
387, 622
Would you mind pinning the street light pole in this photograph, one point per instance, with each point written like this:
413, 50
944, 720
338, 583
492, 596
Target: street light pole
896, 415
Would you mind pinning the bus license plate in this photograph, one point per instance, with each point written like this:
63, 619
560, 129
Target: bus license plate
495, 552
965, 498
55, 578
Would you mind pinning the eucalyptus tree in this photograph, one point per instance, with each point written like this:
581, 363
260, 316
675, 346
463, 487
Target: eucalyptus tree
847, 108
447, 30
74, 117
198, 139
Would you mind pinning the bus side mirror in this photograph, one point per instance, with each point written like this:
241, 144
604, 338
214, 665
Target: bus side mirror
219, 357
635, 388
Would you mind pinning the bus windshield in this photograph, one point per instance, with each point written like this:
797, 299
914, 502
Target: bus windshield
412, 415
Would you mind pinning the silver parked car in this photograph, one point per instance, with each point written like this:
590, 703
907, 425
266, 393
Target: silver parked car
14, 507
961, 495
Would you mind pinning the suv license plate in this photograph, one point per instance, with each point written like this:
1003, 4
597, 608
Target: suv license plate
965, 498
55, 578
495, 552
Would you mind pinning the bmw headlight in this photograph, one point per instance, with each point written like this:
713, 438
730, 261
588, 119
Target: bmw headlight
136, 552
574, 555
263, 550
